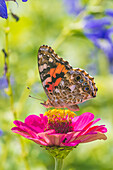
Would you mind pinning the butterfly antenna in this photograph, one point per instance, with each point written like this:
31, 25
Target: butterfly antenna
35, 97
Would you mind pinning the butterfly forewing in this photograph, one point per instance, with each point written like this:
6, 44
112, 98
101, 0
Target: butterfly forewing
51, 67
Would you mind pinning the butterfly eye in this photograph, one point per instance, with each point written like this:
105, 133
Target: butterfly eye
86, 88
81, 81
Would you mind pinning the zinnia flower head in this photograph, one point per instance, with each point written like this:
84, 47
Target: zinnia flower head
59, 131
60, 128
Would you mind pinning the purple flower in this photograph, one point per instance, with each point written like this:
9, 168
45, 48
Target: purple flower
3, 82
100, 32
73, 6
92, 23
4, 85
1, 133
109, 12
92, 67
3, 8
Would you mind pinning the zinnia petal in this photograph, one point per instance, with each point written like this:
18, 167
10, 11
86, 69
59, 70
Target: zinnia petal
81, 121
37, 123
74, 143
93, 137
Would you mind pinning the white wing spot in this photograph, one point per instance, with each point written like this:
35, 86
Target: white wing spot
40, 56
62, 82
57, 91
56, 100
45, 66
50, 60
42, 67
72, 87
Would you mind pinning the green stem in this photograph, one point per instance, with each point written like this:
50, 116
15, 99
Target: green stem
58, 164
67, 30
5, 148
63, 35
24, 154
10, 91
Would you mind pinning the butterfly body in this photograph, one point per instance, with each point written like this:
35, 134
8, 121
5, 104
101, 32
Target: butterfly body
63, 85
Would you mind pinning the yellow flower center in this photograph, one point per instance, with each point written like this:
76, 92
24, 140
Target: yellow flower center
60, 120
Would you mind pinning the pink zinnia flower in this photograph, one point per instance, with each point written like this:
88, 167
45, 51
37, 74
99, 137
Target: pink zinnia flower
60, 128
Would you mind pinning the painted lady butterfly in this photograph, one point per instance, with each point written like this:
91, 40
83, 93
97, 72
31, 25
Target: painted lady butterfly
63, 85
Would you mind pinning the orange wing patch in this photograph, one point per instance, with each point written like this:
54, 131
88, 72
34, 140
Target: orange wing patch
56, 75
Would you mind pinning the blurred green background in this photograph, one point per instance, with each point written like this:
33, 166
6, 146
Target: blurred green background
42, 22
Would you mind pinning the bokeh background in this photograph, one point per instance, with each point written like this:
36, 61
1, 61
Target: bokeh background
80, 32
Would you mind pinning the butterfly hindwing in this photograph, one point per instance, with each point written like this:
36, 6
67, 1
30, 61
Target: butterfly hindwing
76, 87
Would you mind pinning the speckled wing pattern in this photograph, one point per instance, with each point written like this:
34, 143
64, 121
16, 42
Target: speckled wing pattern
64, 86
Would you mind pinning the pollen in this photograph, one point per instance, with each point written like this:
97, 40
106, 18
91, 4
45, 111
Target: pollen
60, 120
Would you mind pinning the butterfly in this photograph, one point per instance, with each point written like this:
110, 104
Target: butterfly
64, 86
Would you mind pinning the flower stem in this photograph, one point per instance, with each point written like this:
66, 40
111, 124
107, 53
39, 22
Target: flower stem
24, 154
77, 25
10, 91
58, 163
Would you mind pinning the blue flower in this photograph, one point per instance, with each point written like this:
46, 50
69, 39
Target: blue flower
3, 82
92, 66
3, 8
74, 6
100, 32
109, 12
1, 133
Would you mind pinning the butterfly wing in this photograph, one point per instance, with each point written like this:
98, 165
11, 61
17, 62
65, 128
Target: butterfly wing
63, 85
51, 68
